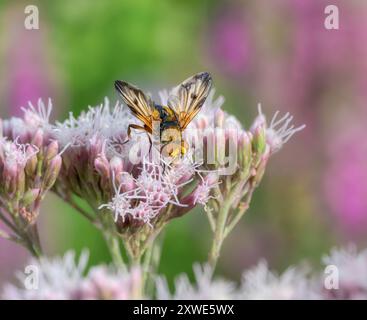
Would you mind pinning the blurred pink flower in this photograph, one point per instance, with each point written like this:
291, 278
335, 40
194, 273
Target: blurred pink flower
322, 56
300, 63
27, 62
346, 177
11, 257
230, 43
24, 67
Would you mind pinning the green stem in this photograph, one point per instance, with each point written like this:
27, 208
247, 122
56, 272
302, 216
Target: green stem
36, 250
114, 249
211, 217
7, 221
234, 221
27, 238
147, 264
36, 239
219, 233
32, 247
151, 263
243, 208
9, 237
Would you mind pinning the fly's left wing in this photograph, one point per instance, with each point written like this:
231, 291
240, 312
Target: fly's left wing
140, 104
187, 99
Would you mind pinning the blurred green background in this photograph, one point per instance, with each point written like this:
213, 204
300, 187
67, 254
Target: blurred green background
278, 53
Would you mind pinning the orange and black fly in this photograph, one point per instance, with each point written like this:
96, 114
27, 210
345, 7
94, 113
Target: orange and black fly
183, 105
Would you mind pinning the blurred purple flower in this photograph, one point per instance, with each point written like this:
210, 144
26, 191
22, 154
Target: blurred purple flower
11, 257
230, 43
26, 73
27, 59
299, 62
346, 177
27, 80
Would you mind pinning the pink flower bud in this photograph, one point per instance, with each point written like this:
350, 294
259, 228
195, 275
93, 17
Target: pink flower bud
202, 193
245, 149
96, 147
52, 172
211, 179
10, 169
260, 120
259, 143
260, 170
37, 139
116, 165
202, 123
31, 166
219, 118
52, 150
9, 176
102, 166
127, 182
31, 150
20, 182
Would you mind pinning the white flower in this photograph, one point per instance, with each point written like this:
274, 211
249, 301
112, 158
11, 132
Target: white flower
352, 273
279, 131
202, 193
14, 153
65, 278
98, 121
14, 127
204, 288
56, 278
39, 116
105, 283
150, 192
260, 283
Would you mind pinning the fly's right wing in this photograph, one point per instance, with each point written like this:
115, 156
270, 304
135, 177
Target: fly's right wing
187, 99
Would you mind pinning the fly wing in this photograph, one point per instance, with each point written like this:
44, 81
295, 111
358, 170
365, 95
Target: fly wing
139, 104
187, 98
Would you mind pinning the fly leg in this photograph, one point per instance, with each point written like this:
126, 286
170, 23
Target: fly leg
132, 126
137, 127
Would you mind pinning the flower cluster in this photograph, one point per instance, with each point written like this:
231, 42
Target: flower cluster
30, 162
66, 278
260, 283
141, 192
131, 188
238, 156
205, 288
